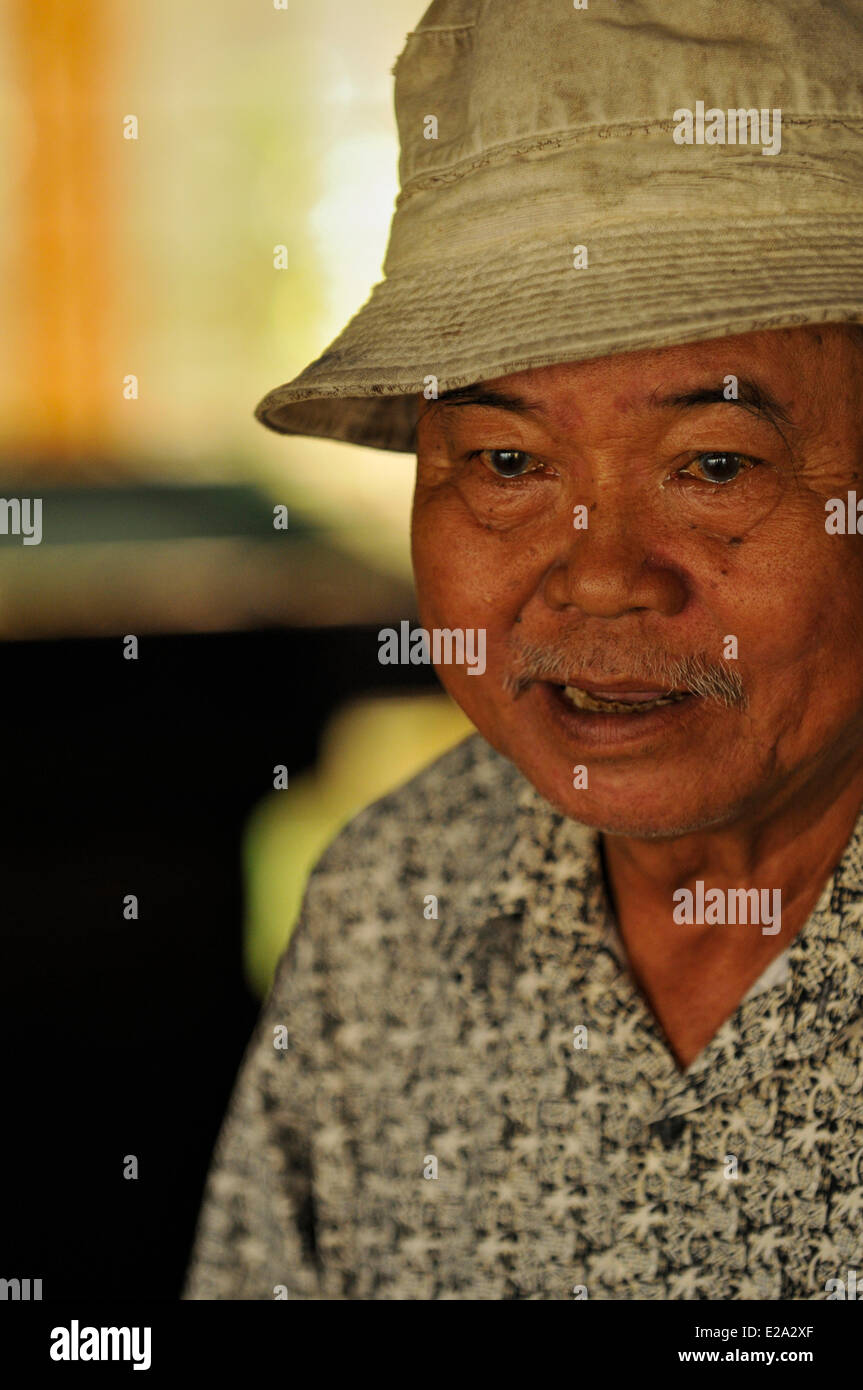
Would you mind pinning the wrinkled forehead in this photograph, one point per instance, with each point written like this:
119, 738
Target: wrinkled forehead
780, 376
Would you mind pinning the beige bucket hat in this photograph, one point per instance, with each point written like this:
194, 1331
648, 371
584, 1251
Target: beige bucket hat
577, 182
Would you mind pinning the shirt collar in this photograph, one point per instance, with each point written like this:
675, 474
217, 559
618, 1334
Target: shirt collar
553, 873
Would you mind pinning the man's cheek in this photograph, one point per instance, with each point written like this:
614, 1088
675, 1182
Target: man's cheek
449, 565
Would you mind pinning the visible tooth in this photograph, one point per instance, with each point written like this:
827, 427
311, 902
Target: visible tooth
582, 700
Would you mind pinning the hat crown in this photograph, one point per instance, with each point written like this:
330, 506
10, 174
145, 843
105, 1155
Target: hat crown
495, 73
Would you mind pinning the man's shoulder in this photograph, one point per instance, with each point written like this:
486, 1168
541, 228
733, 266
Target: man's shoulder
405, 879
457, 810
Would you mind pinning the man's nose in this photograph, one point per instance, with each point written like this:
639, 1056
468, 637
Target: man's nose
613, 567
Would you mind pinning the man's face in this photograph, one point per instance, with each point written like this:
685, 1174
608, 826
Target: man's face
627, 535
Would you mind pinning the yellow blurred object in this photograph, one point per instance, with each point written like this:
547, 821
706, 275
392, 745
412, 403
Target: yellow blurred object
192, 208
370, 747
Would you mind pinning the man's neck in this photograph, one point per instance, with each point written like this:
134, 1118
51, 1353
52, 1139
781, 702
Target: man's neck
694, 972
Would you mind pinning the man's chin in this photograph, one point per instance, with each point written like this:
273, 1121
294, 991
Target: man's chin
669, 827
643, 798
639, 812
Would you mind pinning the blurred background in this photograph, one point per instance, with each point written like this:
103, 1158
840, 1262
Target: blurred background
143, 320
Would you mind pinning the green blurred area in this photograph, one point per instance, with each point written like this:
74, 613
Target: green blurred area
370, 747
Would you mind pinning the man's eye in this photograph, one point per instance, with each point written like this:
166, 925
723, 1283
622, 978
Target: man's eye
506, 463
719, 467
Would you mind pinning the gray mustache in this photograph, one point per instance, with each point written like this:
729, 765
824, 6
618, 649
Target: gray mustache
698, 673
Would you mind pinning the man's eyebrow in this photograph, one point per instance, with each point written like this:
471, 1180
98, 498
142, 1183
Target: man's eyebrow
485, 395
751, 397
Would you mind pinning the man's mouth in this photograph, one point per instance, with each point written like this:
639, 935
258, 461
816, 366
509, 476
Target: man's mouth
621, 700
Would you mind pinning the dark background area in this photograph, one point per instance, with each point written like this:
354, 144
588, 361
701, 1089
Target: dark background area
123, 1037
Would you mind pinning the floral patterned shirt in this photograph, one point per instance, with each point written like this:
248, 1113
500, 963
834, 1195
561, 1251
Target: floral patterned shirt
476, 1102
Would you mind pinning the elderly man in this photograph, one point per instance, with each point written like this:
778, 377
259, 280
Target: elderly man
576, 1012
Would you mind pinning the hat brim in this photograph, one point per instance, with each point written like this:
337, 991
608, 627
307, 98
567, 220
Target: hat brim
503, 296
